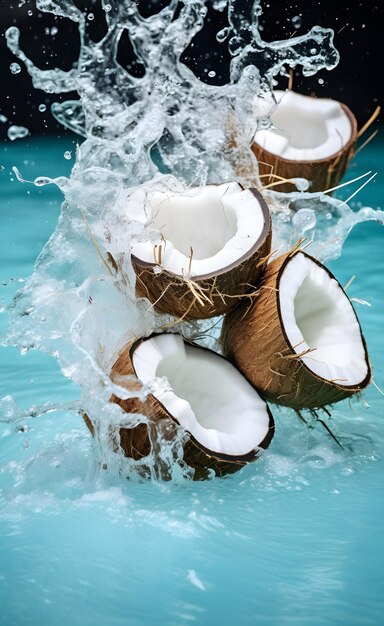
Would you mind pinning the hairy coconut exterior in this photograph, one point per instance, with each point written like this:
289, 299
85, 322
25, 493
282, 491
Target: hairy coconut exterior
211, 294
323, 174
136, 442
254, 339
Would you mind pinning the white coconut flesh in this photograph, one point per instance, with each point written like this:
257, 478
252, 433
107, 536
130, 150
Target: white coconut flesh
305, 128
318, 316
205, 394
218, 223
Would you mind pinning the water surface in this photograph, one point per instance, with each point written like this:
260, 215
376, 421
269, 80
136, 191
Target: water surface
295, 538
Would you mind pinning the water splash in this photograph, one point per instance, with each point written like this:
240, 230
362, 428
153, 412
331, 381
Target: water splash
169, 108
323, 221
163, 131
17, 132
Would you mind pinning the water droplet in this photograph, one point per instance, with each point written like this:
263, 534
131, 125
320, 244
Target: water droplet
235, 45
107, 8
40, 181
223, 34
51, 31
42, 108
321, 81
313, 50
15, 68
90, 17
3, 119
304, 219
30, 13
68, 155
212, 74
17, 132
297, 21
219, 5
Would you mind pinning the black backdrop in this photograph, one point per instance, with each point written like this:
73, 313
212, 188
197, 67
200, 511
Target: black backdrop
357, 81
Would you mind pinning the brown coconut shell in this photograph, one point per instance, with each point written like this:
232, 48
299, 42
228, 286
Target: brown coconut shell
323, 174
210, 294
136, 442
254, 339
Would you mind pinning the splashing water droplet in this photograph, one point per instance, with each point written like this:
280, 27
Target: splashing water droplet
68, 155
15, 68
304, 220
40, 181
223, 34
107, 8
42, 108
297, 21
17, 132
3, 118
219, 5
90, 17
212, 74
321, 81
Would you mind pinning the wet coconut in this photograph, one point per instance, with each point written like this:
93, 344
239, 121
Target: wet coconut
310, 138
299, 343
214, 246
227, 421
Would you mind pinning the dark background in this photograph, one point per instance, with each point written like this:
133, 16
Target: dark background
357, 81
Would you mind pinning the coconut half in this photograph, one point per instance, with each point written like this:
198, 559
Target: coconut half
311, 138
214, 246
227, 421
300, 344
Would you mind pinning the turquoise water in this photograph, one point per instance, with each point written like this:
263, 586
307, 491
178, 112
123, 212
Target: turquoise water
295, 538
